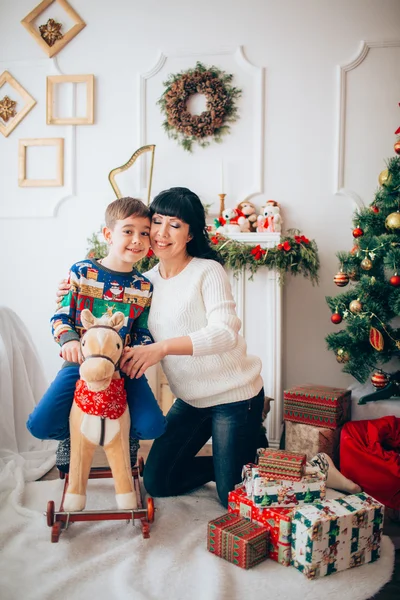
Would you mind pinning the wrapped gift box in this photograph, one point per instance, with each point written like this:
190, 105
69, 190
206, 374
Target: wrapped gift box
238, 540
335, 535
277, 521
321, 406
281, 464
286, 493
300, 437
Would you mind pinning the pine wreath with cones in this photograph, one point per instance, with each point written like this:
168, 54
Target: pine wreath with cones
187, 128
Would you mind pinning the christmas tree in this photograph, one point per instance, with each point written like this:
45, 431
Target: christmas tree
369, 307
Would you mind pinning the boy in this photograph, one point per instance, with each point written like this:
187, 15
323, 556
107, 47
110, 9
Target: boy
104, 286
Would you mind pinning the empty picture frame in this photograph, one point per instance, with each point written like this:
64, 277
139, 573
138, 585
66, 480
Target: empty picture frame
28, 23
58, 181
6, 77
52, 82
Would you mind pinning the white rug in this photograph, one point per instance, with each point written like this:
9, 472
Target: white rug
111, 560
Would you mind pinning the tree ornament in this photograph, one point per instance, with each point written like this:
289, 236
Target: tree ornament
393, 221
379, 379
395, 280
353, 275
355, 306
342, 356
358, 232
376, 339
375, 209
397, 147
366, 264
336, 318
384, 177
341, 279
354, 250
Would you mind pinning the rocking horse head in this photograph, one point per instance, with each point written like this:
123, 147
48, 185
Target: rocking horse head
101, 349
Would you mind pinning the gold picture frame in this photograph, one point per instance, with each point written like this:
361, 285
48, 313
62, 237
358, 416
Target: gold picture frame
6, 77
58, 45
52, 81
111, 177
23, 145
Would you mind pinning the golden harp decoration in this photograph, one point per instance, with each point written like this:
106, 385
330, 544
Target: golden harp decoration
150, 148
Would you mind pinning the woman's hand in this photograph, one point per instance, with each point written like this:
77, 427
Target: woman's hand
135, 361
63, 289
71, 351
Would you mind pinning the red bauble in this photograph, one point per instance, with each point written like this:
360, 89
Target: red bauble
357, 232
379, 380
375, 209
395, 280
397, 147
341, 279
336, 318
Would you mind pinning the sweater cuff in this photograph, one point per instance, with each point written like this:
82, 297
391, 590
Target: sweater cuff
202, 345
68, 337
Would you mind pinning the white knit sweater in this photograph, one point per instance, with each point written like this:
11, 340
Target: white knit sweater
198, 303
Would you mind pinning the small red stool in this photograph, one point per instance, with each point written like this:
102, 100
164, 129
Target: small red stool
59, 520
370, 456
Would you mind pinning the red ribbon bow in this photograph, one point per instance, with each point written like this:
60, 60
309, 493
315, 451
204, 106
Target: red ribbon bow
258, 252
301, 238
285, 246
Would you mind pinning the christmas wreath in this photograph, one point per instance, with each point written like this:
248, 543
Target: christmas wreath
183, 126
295, 254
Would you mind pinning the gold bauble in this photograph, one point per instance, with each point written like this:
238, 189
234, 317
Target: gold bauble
366, 264
384, 177
342, 356
355, 306
393, 221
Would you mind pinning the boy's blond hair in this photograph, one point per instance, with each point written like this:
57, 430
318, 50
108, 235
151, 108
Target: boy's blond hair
123, 208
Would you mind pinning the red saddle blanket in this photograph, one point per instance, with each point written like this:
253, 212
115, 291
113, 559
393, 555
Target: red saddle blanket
109, 403
370, 456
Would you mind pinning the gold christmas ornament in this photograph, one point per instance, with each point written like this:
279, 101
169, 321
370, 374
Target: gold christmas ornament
355, 306
342, 356
393, 221
366, 264
384, 177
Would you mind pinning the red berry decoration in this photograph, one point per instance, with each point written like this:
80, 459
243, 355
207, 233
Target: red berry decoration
341, 279
375, 209
357, 232
379, 380
395, 280
336, 318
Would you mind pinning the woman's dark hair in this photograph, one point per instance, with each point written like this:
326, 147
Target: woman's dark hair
184, 204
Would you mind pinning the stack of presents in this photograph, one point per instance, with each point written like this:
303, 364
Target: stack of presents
280, 511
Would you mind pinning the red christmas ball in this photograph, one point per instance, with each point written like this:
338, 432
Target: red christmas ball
379, 380
336, 318
357, 232
341, 279
397, 147
395, 280
375, 209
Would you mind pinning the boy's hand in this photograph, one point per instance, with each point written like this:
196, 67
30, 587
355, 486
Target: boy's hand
135, 361
71, 351
63, 289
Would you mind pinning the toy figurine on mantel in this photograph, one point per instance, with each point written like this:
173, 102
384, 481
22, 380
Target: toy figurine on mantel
270, 219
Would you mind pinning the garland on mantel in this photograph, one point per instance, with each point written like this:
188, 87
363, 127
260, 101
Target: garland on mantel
295, 254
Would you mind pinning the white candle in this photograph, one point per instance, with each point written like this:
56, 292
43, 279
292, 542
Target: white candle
222, 176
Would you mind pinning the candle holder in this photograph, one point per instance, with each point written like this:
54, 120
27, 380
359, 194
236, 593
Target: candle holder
221, 203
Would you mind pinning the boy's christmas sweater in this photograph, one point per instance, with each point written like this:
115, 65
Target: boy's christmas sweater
336, 534
104, 291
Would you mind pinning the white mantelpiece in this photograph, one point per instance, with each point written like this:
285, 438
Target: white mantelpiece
259, 307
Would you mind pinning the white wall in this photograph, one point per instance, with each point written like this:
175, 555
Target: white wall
300, 43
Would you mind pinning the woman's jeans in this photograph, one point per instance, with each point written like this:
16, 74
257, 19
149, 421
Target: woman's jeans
172, 467
50, 418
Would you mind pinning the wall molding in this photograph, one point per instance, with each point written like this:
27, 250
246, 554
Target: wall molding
241, 60
342, 71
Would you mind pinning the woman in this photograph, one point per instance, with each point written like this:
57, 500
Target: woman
193, 321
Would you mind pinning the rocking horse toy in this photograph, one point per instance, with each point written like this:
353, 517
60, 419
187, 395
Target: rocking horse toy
100, 417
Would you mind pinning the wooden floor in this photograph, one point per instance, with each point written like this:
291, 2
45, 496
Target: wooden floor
391, 591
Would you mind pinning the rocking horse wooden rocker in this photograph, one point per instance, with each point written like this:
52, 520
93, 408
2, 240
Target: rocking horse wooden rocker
100, 417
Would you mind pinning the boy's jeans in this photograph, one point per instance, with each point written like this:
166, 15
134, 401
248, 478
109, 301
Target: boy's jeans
172, 467
50, 418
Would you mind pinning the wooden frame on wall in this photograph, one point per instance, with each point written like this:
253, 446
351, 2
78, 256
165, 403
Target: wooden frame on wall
58, 45
52, 81
6, 77
59, 179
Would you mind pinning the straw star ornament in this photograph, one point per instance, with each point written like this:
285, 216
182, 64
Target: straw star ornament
7, 108
51, 32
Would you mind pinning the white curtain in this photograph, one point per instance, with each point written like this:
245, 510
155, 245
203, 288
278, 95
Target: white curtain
22, 384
